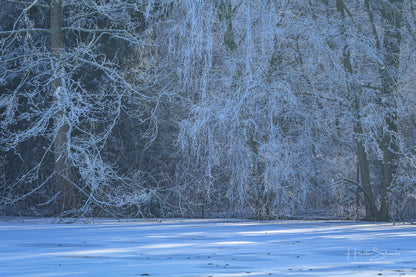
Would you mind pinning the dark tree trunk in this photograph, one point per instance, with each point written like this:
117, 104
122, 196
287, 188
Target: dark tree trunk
392, 15
63, 180
363, 168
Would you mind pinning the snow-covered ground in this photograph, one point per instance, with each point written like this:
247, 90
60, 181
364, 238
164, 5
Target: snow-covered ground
34, 247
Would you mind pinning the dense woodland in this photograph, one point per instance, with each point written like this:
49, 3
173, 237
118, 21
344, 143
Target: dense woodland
208, 108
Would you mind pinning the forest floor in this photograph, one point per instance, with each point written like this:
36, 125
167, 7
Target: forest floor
107, 247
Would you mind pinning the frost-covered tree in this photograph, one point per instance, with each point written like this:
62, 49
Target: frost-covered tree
251, 143
71, 70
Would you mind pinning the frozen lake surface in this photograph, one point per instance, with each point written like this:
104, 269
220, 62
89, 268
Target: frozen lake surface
36, 247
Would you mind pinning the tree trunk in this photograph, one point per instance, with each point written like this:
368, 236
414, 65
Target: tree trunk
392, 15
63, 186
363, 168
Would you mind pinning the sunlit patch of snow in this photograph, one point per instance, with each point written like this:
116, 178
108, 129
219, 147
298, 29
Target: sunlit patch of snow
166, 245
232, 242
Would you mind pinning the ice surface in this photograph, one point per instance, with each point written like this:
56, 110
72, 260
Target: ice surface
35, 247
